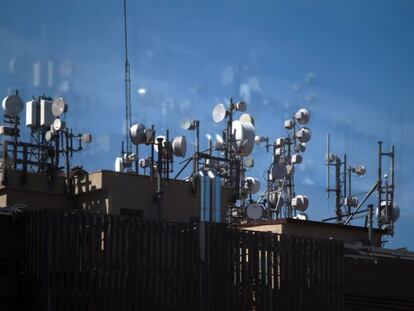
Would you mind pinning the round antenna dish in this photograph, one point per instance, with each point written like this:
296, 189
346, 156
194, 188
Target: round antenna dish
300, 202
301, 147
259, 139
360, 170
137, 132
248, 162
49, 135
279, 171
304, 135
244, 137
12, 105
254, 211
58, 125
58, 107
187, 124
252, 184
245, 117
86, 138
302, 116
219, 113
164, 140
241, 106
179, 146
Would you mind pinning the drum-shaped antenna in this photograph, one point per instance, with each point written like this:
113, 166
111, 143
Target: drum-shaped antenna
302, 116
244, 137
58, 125
254, 211
301, 147
12, 105
137, 132
219, 113
245, 117
241, 106
252, 185
304, 135
187, 124
58, 106
248, 162
179, 146
300, 202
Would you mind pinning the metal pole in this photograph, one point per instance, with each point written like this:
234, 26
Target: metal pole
379, 180
328, 164
360, 204
370, 208
338, 189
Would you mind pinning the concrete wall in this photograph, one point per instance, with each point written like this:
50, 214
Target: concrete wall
349, 234
108, 192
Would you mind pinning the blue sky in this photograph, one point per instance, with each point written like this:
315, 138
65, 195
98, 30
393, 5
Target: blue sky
189, 55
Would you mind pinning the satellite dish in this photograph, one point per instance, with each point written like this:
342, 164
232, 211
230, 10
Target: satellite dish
300, 202
302, 116
245, 117
241, 106
254, 211
119, 164
12, 105
252, 184
164, 140
179, 146
137, 133
58, 106
279, 171
304, 135
244, 136
219, 113
58, 125
187, 124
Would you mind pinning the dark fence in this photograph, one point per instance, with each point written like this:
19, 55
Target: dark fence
84, 261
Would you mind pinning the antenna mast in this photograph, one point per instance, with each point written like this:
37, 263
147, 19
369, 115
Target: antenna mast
128, 148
